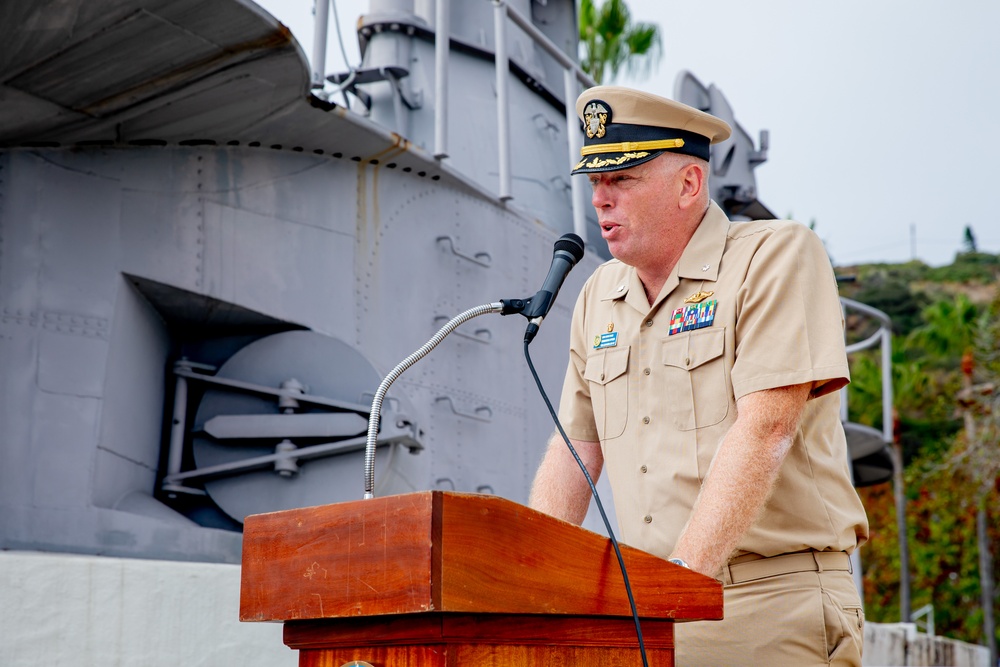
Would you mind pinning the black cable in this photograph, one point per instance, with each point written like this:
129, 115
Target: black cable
597, 498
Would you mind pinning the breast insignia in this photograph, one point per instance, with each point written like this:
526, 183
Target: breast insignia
693, 316
604, 340
698, 297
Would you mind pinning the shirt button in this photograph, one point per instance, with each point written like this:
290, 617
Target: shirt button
645, 420
642, 468
602, 376
647, 519
649, 323
645, 371
687, 361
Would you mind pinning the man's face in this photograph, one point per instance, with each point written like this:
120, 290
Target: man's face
637, 210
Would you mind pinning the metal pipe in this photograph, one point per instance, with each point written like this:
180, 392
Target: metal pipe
503, 115
398, 111
321, 10
867, 310
572, 75
539, 38
442, 39
573, 142
175, 454
887, 397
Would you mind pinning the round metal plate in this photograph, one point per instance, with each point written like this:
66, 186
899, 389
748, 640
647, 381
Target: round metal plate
329, 368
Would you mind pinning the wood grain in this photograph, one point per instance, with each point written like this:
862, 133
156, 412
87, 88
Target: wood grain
450, 552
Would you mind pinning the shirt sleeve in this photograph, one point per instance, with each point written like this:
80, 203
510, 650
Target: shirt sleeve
789, 324
575, 409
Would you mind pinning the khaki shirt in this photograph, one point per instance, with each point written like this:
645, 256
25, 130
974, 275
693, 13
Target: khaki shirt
660, 403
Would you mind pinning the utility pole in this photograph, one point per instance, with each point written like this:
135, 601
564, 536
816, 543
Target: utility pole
986, 584
899, 496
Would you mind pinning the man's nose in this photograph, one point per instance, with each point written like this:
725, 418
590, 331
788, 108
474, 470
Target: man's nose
601, 197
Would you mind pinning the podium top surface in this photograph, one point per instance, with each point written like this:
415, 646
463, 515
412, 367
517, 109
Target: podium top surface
436, 551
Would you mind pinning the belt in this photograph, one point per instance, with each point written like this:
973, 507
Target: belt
749, 567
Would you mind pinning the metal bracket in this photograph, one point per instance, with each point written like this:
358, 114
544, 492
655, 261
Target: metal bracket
253, 388
482, 413
394, 75
402, 432
480, 258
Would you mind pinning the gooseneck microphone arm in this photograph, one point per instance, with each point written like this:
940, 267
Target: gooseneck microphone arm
568, 250
373, 417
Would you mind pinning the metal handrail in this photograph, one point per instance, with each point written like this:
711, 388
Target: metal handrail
572, 77
442, 47
884, 337
502, 64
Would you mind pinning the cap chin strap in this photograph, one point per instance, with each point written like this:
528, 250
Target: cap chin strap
627, 146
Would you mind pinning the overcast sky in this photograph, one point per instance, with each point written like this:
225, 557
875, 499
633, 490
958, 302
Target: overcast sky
883, 114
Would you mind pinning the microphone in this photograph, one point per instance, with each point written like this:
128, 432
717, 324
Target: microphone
567, 252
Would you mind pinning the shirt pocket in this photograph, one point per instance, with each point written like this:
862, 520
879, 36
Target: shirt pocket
696, 387
606, 373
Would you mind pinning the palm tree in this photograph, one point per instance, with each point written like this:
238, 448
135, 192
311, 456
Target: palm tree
611, 40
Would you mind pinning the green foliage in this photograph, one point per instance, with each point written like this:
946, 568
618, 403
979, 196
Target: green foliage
949, 471
969, 239
889, 290
610, 40
944, 566
969, 267
947, 331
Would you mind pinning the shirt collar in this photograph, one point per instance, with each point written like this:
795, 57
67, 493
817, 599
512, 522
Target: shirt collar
703, 253
699, 261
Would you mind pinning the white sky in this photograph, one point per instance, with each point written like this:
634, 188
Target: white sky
883, 114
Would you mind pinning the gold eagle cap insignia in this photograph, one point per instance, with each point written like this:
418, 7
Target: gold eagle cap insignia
698, 297
594, 118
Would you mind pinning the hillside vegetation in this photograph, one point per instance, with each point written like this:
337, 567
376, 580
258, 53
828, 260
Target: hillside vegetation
946, 380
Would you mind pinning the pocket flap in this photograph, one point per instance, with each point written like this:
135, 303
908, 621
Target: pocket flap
695, 348
605, 365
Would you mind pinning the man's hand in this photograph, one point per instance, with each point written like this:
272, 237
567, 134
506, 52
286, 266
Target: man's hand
741, 476
560, 489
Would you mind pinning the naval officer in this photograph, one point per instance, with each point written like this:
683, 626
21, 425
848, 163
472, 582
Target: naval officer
705, 360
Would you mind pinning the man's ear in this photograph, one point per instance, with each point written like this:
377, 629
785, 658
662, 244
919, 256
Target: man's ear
693, 183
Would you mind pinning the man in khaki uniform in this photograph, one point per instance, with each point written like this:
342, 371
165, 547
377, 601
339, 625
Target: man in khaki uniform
704, 366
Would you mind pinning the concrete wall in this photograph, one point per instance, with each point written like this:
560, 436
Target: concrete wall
64, 610
899, 644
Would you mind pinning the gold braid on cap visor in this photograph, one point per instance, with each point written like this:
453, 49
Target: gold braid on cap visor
628, 146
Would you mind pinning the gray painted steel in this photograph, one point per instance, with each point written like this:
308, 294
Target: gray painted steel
170, 191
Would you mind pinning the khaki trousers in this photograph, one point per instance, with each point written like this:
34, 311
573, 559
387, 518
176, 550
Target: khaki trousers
795, 619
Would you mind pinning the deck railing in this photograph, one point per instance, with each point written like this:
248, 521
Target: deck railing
573, 76
504, 13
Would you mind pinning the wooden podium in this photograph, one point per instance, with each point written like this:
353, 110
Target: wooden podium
436, 579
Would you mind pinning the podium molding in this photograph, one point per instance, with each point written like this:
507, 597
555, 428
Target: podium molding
440, 578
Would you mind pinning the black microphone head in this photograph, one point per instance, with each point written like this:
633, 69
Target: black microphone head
572, 244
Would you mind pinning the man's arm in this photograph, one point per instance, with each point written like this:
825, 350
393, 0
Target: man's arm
560, 489
741, 476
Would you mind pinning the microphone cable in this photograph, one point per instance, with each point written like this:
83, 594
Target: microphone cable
597, 498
